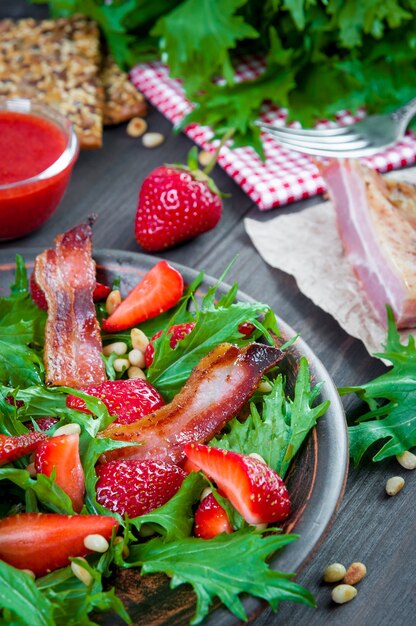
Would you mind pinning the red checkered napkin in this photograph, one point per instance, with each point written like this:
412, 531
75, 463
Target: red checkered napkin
286, 176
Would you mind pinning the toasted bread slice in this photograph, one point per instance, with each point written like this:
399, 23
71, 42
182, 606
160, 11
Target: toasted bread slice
56, 62
122, 101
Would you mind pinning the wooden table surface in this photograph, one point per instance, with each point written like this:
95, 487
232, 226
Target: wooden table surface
370, 527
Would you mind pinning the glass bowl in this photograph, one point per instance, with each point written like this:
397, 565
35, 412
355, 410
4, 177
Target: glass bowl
26, 203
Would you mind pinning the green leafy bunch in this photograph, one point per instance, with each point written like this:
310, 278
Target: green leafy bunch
389, 426
321, 55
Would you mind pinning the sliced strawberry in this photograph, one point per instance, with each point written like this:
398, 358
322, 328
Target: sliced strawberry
176, 333
12, 448
43, 542
189, 467
100, 293
211, 519
43, 423
37, 294
246, 328
253, 488
129, 399
62, 453
159, 290
137, 487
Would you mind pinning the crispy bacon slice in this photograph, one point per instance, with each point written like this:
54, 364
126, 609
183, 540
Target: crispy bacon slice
377, 224
66, 275
214, 393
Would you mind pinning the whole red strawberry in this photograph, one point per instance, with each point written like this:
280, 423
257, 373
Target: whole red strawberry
176, 203
136, 487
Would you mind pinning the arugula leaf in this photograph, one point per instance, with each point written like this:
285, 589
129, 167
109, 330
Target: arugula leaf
44, 487
72, 600
20, 596
215, 324
210, 567
21, 332
278, 428
174, 520
391, 398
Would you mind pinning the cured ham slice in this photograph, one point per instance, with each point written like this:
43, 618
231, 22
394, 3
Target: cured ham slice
215, 392
377, 224
66, 275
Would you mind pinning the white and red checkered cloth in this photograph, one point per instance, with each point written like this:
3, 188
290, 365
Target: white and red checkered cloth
285, 176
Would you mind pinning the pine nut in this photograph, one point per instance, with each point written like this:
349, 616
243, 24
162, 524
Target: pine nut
254, 455
96, 543
31, 469
205, 157
343, 593
81, 573
113, 300
146, 530
152, 140
136, 372
125, 552
264, 387
67, 429
29, 572
120, 365
136, 127
334, 573
139, 341
136, 357
355, 573
394, 485
407, 460
118, 347
205, 493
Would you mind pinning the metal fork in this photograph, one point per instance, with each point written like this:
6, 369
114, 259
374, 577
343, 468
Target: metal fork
364, 138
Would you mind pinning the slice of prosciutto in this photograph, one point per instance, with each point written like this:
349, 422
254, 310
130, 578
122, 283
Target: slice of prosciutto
66, 275
215, 392
376, 220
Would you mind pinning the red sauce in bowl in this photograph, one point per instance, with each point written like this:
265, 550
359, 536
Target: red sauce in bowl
28, 146
29, 192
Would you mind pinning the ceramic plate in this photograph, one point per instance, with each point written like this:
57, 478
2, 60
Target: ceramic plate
316, 480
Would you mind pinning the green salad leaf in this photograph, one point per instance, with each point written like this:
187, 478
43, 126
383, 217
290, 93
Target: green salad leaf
390, 422
21, 332
215, 323
210, 567
22, 600
43, 487
174, 520
278, 429
72, 601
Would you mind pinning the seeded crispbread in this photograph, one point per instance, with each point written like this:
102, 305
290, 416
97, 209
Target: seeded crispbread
56, 62
122, 101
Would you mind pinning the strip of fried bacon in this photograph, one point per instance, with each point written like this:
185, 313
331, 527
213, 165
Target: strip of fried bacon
215, 392
66, 275
376, 220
